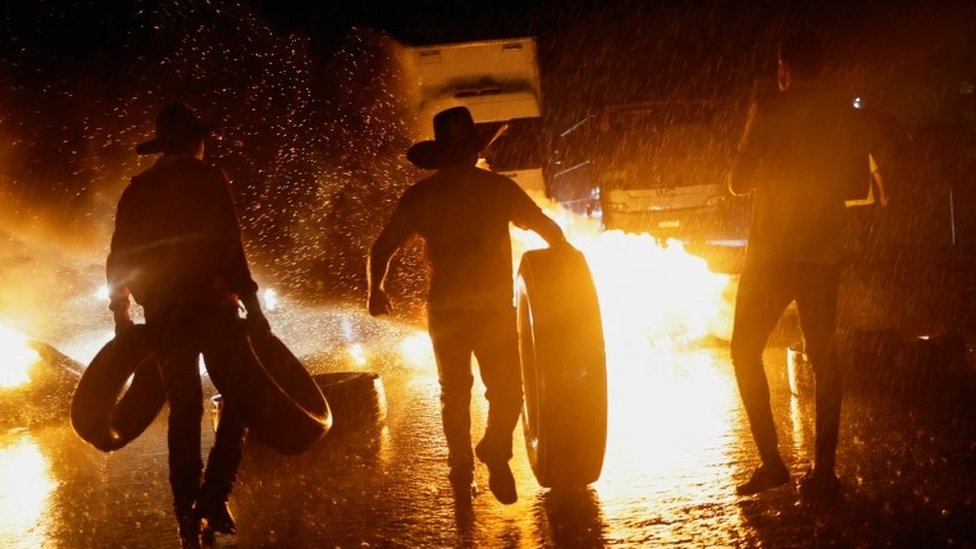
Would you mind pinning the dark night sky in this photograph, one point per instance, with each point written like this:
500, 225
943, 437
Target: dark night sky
713, 45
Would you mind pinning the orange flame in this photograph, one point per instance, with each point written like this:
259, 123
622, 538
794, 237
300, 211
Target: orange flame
651, 295
17, 359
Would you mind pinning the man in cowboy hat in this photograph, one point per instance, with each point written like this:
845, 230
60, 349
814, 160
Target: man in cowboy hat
177, 251
463, 213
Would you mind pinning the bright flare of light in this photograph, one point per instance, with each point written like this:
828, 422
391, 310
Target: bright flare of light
655, 299
25, 485
101, 293
672, 429
416, 349
650, 294
270, 299
357, 353
16, 358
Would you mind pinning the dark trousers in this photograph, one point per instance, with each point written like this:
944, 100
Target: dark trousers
765, 290
179, 338
492, 338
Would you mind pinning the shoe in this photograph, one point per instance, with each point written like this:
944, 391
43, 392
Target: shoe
764, 478
500, 479
502, 483
816, 484
217, 517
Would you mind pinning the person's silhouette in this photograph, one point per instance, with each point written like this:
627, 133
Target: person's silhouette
177, 250
803, 152
463, 213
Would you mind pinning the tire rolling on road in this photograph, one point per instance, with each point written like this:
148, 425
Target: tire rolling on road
98, 415
563, 367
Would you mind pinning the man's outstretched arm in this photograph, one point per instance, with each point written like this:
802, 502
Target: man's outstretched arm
394, 235
526, 214
377, 265
548, 229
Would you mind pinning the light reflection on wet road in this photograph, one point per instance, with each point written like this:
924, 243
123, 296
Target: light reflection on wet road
678, 443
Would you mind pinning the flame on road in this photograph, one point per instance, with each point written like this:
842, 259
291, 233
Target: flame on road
651, 295
16, 359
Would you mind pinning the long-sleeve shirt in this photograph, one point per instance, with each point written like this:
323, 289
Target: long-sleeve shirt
177, 239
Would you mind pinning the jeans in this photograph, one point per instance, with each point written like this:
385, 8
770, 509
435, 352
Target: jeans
765, 290
492, 338
178, 338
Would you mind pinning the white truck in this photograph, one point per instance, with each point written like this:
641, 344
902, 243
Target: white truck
498, 81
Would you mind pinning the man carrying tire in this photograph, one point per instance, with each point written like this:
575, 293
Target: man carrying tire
804, 151
463, 213
177, 250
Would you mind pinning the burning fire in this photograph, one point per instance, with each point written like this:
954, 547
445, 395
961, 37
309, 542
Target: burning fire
655, 301
16, 359
650, 294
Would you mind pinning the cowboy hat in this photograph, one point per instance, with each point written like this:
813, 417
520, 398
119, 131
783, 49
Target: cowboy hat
456, 139
176, 127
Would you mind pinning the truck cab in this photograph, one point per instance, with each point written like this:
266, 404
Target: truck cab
498, 81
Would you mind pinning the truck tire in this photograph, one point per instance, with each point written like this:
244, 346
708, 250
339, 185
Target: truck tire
564, 417
289, 413
98, 415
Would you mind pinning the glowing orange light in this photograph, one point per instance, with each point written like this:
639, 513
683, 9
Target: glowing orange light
271, 301
16, 359
416, 349
655, 299
357, 354
650, 294
25, 486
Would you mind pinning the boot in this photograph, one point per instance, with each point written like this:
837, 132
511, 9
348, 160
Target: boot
765, 477
501, 482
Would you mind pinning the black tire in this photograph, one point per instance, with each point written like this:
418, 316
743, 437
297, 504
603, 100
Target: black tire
563, 368
358, 400
98, 415
289, 413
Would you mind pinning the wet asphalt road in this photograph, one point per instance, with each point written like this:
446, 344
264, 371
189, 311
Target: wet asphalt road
678, 444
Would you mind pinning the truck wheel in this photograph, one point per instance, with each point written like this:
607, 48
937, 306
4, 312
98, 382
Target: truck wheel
563, 368
289, 411
98, 415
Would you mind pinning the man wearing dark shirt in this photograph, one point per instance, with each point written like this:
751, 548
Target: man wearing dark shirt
463, 213
177, 251
803, 152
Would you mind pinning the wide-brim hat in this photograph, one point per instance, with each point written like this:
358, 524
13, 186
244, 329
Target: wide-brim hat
176, 127
456, 139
